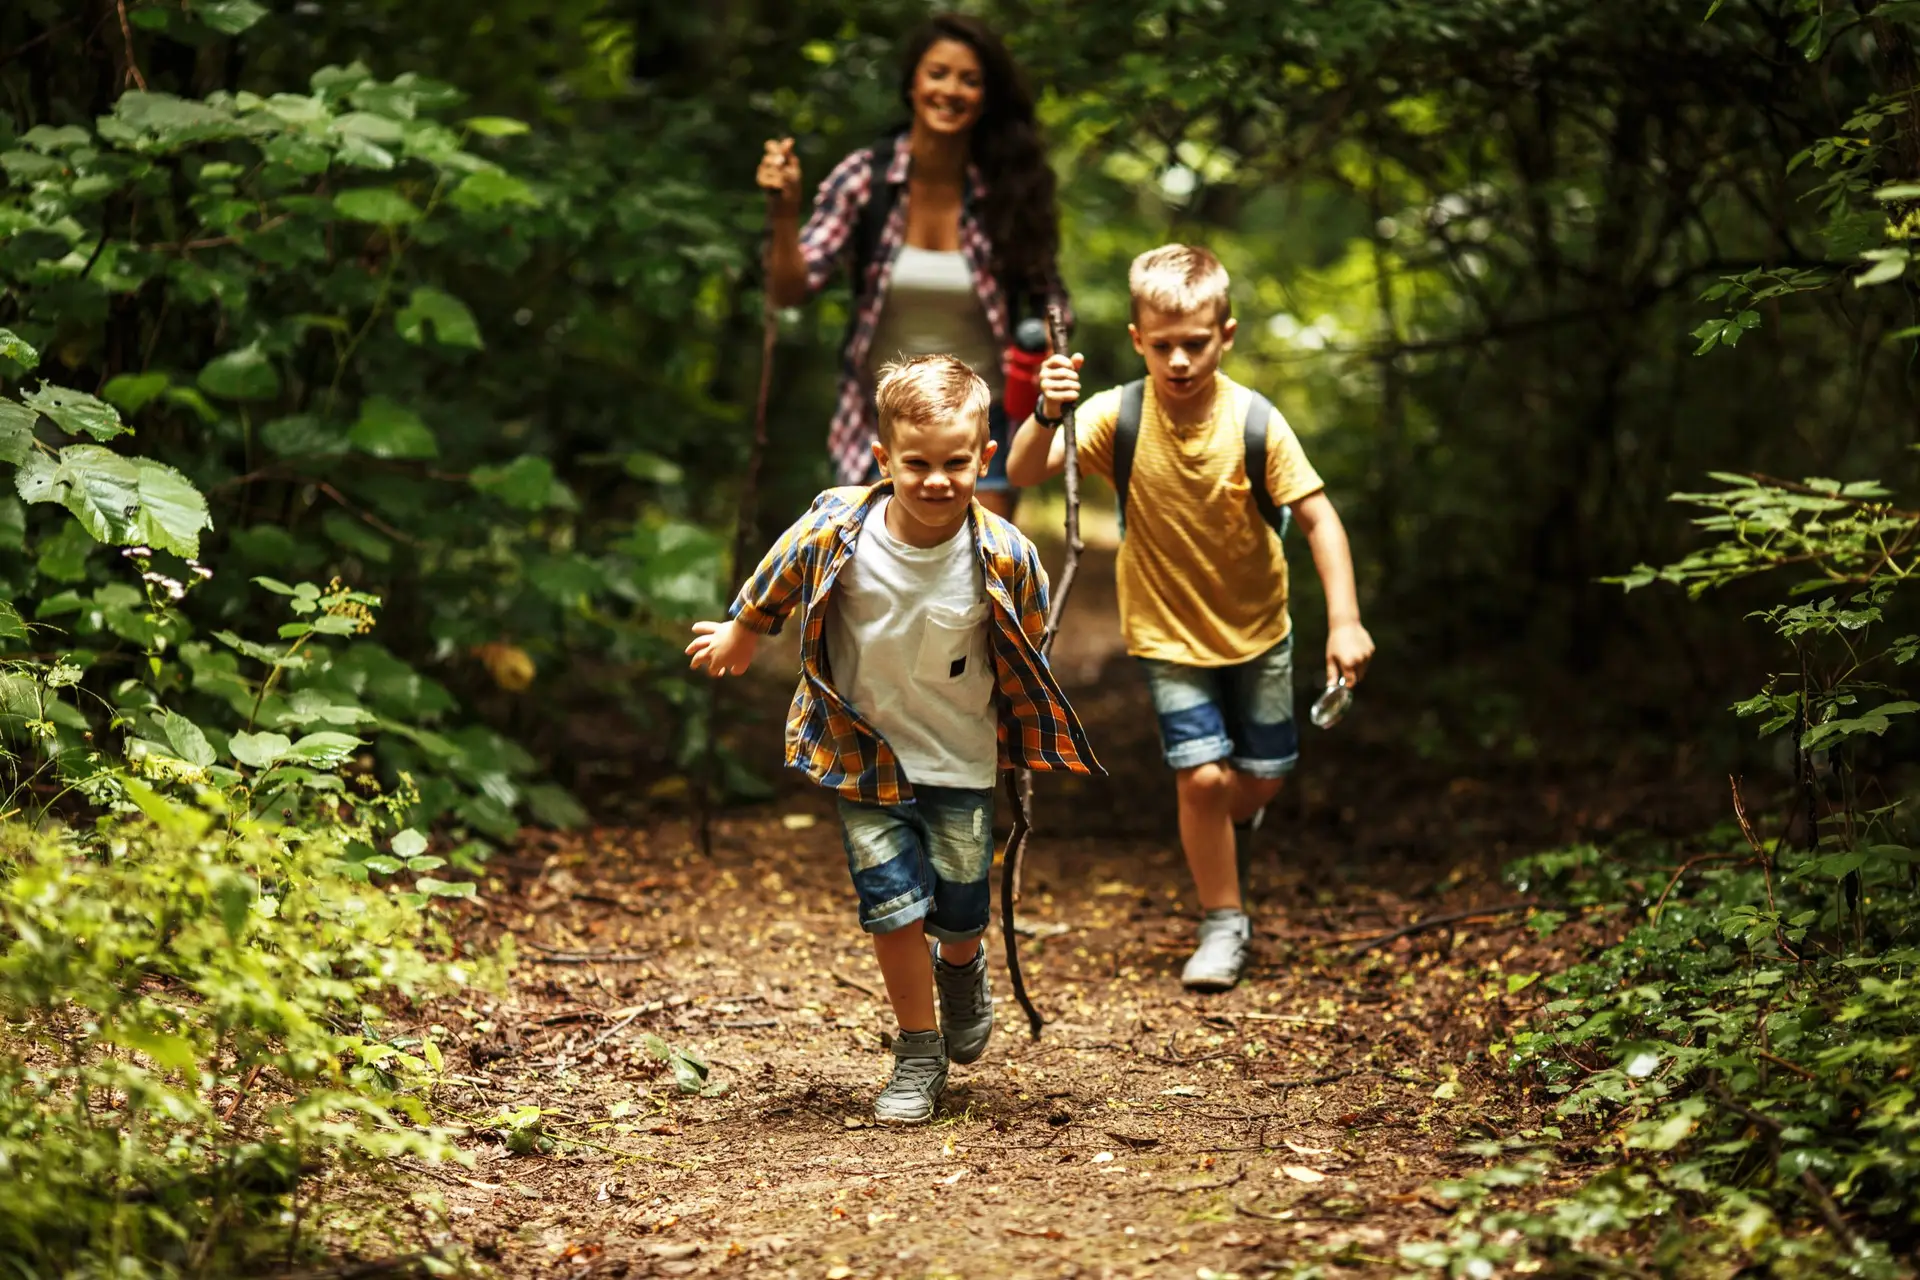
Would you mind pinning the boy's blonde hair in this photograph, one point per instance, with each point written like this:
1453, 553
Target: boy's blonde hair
930, 389
1180, 280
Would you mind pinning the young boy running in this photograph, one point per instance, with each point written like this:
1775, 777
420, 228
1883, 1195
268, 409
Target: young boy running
1202, 578
921, 678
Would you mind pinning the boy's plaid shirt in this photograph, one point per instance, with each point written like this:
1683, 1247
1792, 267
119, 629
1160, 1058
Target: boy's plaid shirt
829, 740
824, 241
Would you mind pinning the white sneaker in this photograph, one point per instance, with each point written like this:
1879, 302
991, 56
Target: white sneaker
1215, 965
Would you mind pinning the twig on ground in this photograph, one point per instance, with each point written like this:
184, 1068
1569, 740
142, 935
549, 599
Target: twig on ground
842, 980
588, 957
1256, 1213
240, 1094
749, 1024
1299, 1018
1365, 945
1214, 1184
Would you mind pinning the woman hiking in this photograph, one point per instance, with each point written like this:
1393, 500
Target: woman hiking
948, 227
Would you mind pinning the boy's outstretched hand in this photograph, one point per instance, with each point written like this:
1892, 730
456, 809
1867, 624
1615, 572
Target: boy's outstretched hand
1059, 383
727, 648
1349, 650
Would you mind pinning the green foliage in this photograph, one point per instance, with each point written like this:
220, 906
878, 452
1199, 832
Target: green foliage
191, 1024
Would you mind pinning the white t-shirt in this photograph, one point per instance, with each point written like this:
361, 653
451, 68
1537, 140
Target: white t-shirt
907, 647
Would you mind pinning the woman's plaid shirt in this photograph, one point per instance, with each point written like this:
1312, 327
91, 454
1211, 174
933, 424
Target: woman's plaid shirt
824, 244
829, 740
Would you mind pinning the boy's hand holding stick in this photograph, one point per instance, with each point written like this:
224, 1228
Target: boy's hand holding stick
1020, 786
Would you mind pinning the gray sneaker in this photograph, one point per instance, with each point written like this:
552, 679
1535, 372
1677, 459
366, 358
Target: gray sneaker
966, 1006
1216, 963
919, 1074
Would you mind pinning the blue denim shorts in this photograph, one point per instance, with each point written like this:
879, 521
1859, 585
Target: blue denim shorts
1241, 714
927, 860
995, 480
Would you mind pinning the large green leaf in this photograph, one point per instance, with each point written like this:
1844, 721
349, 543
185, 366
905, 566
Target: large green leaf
15, 348
76, 412
163, 121
526, 482
381, 205
100, 487
323, 750
187, 740
245, 374
228, 17
16, 432
492, 189
172, 511
389, 430
132, 392
259, 750
453, 324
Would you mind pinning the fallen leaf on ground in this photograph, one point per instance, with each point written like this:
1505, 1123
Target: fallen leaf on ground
1301, 1149
1103, 1157
953, 1177
799, 822
839, 1273
1300, 1173
1050, 1233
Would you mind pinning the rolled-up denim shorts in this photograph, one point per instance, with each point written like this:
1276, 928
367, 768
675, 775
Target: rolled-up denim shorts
926, 860
1242, 714
995, 480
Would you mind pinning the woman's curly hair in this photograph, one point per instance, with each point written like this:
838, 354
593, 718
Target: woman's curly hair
1020, 213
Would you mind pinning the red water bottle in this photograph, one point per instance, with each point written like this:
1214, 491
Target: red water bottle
1024, 358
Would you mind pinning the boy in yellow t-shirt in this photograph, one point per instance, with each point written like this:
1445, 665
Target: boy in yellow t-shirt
1202, 577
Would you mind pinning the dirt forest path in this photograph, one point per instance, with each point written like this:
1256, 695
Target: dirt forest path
1147, 1133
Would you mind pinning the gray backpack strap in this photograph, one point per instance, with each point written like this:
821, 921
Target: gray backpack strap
1259, 414
1126, 435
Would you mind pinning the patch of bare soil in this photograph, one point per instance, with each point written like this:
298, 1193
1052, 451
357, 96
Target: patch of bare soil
1148, 1132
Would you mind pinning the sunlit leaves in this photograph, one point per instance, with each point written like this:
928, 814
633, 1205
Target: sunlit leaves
76, 412
387, 429
172, 512
452, 324
382, 205
245, 374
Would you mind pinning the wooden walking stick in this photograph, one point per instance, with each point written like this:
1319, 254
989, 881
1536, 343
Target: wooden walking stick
745, 531
1020, 783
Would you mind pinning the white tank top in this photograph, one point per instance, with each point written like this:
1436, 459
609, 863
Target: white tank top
931, 309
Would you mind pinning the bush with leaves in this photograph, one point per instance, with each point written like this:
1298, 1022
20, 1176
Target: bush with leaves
192, 1023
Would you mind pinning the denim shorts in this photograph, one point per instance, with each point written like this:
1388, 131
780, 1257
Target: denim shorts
1242, 714
995, 480
926, 860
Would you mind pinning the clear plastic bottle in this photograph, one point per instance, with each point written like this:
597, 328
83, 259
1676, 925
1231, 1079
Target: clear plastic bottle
1333, 704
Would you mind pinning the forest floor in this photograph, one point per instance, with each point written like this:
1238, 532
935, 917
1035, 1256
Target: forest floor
1148, 1132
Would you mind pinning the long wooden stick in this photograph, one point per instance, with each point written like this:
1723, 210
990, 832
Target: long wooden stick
1020, 785
745, 535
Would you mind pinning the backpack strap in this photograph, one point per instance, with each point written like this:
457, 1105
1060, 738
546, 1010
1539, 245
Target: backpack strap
1126, 435
1254, 433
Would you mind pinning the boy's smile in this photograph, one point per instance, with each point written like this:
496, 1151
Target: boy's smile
1182, 354
934, 468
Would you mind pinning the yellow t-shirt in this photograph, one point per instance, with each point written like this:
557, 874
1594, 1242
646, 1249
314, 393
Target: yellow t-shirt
1201, 577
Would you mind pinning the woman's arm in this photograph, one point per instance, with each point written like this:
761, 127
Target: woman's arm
779, 177
801, 260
